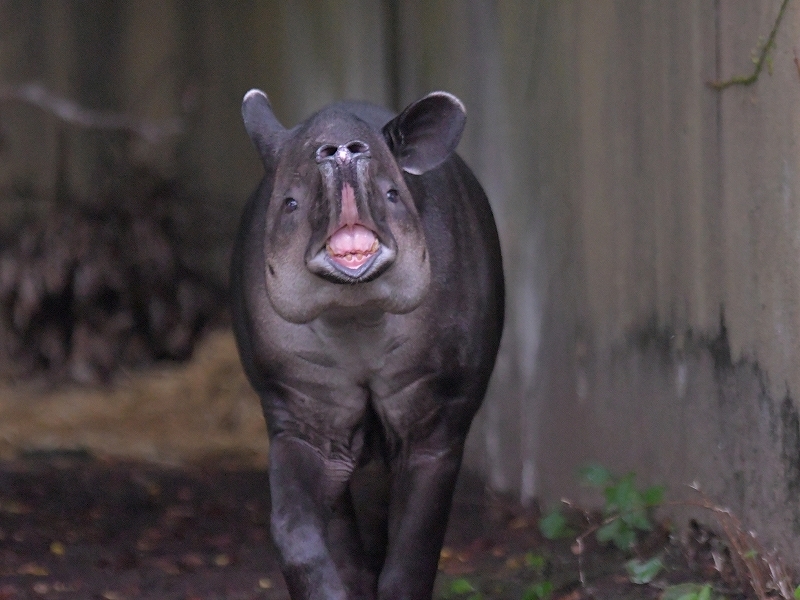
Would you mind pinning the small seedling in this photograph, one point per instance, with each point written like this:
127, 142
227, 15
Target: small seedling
537, 562
554, 525
462, 588
538, 591
689, 591
626, 510
642, 572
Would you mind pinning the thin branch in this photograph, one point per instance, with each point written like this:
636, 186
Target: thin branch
70, 112
720, 85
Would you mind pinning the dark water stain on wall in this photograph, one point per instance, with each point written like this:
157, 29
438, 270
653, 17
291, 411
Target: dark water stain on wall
790, 451
755, 434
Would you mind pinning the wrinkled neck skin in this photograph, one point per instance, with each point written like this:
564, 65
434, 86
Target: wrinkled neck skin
335, 318
343, 240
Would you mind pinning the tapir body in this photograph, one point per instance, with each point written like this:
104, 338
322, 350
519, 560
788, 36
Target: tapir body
367, 299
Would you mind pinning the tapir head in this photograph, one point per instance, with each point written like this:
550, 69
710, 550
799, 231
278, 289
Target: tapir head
342, 229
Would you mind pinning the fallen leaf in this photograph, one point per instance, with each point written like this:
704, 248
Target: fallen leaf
41, 588
8, 592
13, 507
458, 568
222, 560
33, 569
192, 560
167, 566
57, 548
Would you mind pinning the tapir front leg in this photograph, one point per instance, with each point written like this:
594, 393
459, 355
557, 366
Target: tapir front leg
299, 520
422, 492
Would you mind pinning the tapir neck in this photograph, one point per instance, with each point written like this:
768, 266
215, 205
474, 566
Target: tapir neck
341, 318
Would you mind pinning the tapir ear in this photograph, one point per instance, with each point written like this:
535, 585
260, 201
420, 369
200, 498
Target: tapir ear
262, 126
426, 132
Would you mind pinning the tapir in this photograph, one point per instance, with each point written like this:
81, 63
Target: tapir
367, 302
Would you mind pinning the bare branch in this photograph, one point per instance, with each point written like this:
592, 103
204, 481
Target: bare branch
151, 131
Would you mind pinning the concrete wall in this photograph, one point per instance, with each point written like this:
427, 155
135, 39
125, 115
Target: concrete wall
650, 234
649, 223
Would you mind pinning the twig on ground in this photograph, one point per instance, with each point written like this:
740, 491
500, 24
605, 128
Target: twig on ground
764, 572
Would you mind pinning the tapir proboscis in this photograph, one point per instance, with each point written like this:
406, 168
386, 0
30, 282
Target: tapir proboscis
367, 300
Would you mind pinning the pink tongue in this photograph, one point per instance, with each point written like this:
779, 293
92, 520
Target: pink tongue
352, 246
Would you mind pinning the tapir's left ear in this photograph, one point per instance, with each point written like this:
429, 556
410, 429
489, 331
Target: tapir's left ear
426, 132
262, 126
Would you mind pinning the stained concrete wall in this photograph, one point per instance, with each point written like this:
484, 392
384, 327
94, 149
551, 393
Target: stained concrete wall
650, 235
649, 223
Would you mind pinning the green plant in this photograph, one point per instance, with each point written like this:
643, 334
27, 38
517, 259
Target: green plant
538, 591
537, 562
554, 525
689, 591
641, 572
626, 510
625, 513
462, 588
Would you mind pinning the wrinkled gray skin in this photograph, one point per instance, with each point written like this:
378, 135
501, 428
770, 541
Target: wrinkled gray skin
369, 377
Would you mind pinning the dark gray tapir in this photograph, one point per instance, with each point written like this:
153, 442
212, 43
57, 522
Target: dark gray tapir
368, 306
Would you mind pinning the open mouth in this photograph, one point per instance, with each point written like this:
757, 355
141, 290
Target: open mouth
352, 246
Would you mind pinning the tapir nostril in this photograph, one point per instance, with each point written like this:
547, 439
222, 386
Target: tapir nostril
325, 151
342, 154
358, 147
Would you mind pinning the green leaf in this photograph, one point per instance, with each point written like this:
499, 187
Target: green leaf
609, 531
644, 572
461, 586
554, 525
637, 519
623, 536
535, 561
625, 539
596, 475
686, 591
797, 593
653, 496
624, 495
538, 591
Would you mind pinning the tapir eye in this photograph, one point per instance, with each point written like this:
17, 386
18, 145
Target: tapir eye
392, 195
289, 205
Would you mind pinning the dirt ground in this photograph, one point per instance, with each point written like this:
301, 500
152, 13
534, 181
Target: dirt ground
73, 526
184, 514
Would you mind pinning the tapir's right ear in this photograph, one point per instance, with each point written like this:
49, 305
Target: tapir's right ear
262, 126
